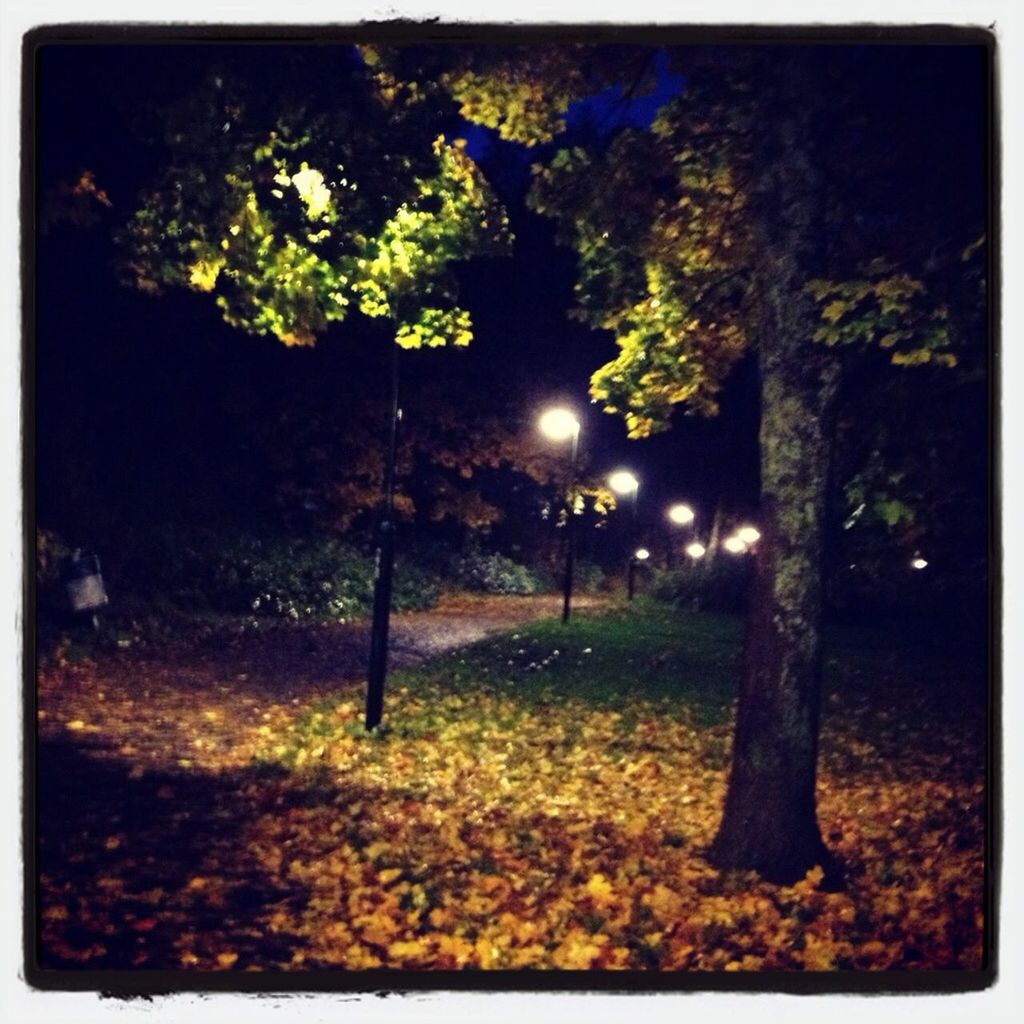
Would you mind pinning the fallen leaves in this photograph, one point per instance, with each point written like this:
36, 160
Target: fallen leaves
487, 831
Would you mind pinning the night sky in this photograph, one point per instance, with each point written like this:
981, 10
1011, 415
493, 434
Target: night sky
162, 373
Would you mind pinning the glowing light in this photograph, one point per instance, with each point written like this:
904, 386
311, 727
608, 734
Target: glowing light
623, 482
748, 534
559, 424
734, 545
641, 554
919, 563
681, 514
696, 549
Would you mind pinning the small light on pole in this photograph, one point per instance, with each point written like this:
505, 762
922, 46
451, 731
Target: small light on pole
681, 515
919, 563
749, 535
734, 545
696, 550
560, 424
639, 556
623, 482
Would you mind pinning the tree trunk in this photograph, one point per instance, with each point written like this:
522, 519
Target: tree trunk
769, 822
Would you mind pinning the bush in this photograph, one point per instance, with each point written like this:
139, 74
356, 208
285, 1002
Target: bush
305, 577
496, 574
589, 578
715, 585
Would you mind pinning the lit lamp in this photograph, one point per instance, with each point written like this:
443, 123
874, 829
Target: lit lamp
678, 515
681, 515
696, 550
640, 555
734, 545
623, 482
919, 563
749, 535
560, 424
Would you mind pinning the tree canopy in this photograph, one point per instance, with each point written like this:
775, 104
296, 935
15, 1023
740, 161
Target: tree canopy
294, 213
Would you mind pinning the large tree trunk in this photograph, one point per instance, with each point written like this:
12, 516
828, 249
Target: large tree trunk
769, 823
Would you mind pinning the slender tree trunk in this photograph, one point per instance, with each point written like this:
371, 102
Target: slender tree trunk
769, 822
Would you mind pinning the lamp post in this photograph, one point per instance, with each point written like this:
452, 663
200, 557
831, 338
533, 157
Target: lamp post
640, 555
696, 550
678, 515
624, 482
384, 569
560, 424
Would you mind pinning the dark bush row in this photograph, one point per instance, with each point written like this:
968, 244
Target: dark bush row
289, 577
715, 585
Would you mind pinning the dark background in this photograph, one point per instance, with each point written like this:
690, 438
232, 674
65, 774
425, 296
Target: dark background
145, 407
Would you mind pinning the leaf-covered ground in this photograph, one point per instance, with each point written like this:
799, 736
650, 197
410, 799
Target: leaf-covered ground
538, 800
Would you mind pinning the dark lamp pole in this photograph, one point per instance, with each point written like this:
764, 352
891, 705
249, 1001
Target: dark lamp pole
562, 425
384, 568
623, 482
570, 527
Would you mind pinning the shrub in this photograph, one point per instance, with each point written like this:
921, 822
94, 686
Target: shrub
715, 585
495, 574
290, 577
589, 578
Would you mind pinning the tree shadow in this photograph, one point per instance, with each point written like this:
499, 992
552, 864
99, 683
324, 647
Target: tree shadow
125, 860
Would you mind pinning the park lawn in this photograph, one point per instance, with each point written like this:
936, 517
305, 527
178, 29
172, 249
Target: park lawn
538, 800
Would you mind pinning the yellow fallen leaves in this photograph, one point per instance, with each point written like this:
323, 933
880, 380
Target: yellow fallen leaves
488, 833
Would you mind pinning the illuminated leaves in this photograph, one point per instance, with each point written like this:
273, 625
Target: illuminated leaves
888, 309
490, 828
661, 241
293, 222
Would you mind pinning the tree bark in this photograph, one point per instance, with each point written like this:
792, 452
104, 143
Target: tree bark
769, 823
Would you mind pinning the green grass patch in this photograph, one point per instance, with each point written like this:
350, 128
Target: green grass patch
644, 653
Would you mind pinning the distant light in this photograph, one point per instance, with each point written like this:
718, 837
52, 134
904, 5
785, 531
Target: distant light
641, 554
919, 563
623, 482
559, 424
681, 514
748, 534
696, 549
734, 545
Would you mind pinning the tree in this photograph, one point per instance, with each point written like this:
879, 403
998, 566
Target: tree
294, 211
726, 226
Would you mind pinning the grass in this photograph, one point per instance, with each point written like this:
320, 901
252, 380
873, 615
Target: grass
541, 799
646, 652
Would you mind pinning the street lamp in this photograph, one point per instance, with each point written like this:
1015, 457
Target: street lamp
749, 535
384, 567
640, 555
560, 424
919, 563
734, 545
696, 550
623, 482
681, 515
678, 515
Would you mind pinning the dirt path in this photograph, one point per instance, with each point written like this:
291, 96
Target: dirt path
203, 703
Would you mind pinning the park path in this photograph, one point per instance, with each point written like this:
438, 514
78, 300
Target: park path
206, 701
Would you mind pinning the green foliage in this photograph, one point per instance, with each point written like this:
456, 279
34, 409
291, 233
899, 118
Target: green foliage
659, 234
589, 578
885, 308
294, 215
493, 573
294, 578
712, 584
